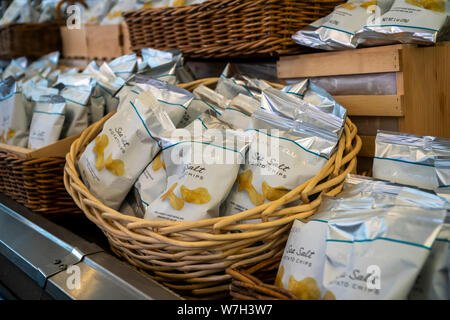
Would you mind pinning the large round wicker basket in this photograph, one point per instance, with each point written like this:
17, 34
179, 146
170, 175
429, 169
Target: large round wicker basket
191, 257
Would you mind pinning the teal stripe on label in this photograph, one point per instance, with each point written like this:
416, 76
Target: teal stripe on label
203, 124
134, 91
81, 104
52, 113
248, 90
10, 95
297, 94
405, 161
381, 238
443, 240
172, 104
282, 138
214, 145
137, 190
318, 220
96, 97
445, 186
322, 26
237, 111
143, 122
396, 25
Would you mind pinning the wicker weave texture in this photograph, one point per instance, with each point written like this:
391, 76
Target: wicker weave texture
256, 283
226, 28
29, 39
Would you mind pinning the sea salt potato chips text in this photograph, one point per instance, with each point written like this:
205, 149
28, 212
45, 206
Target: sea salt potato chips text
114, 160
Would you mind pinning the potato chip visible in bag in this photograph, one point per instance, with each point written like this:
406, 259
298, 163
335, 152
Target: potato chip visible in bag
48, 120
338, 30
311, 93
343, 243
442, 166
215, 101
113, 161
151, 183
109, 84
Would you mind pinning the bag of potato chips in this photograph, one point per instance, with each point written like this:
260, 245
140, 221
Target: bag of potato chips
195, 162
357, 248
153, 181
114, 160
408, 159
286, 105
14, 119
47, 122
282, 155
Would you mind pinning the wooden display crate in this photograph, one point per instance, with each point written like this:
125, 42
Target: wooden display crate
421, 104
102, 42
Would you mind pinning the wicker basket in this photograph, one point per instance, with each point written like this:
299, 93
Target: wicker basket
191, 257
34, 178
226, 28
32, 40
255, 283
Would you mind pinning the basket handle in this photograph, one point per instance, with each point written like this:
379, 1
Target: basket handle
69, 2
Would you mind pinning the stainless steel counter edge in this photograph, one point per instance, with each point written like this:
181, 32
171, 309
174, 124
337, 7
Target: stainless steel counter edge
66, 266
